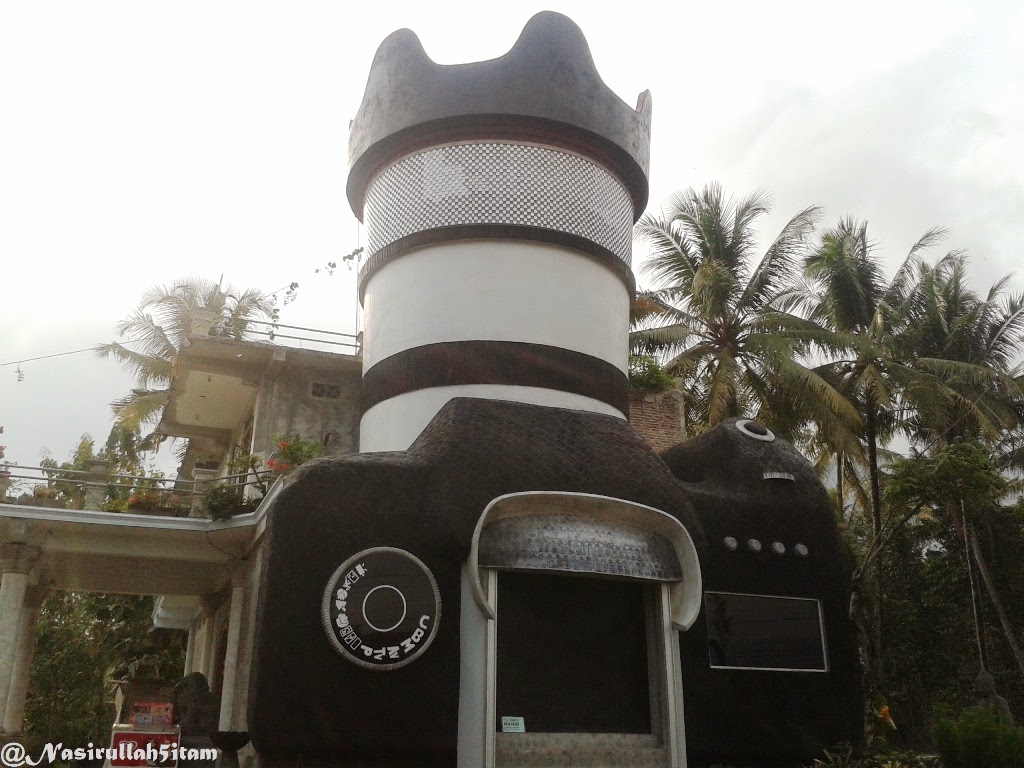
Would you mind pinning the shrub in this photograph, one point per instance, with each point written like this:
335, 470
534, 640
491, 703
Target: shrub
292, 451
841, 757
979, 739
900, 759
645, 375
224, 501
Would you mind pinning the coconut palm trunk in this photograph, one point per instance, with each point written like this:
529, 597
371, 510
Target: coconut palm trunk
993, 593
871, 430
840, 492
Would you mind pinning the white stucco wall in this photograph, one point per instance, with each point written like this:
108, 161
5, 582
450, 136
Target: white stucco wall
496, 291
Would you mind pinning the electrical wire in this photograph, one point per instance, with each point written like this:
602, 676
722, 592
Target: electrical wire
45, 357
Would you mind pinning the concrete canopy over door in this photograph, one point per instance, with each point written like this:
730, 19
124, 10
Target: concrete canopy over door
629, 573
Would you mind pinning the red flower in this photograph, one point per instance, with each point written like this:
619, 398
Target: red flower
133, 499
283, 444
271, 463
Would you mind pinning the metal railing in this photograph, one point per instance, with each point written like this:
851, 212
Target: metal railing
330, 338
70, 489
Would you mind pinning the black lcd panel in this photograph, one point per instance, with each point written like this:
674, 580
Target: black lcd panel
762, 632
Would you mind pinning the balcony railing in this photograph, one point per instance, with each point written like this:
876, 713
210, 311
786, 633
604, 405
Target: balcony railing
273, 331
98, 490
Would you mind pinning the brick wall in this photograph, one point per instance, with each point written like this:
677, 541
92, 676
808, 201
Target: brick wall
657, 418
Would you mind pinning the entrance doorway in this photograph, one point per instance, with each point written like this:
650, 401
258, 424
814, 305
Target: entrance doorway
573, 650
572, 654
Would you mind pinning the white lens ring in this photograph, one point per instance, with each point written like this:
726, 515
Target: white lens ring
743, 425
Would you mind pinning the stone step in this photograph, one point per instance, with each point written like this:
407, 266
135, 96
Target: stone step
577, 739
579, 750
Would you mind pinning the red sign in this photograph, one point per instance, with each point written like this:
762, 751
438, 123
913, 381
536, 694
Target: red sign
134, 749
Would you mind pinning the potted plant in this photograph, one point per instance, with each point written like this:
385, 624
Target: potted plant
224, 501
144, 500
44, 496
292, 451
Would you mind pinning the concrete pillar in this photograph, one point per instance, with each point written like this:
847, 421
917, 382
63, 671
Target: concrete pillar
96, 495
18, 559
198, 654
204, 479
209, 661
14, 717
227, 688
190, 650
245, 642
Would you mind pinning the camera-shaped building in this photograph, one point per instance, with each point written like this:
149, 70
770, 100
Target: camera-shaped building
506, 574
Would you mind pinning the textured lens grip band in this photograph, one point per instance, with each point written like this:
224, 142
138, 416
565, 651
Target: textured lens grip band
501, 184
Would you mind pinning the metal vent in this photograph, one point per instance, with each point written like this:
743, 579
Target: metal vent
330, 391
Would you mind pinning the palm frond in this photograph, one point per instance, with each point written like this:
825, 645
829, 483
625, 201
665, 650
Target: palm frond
147, 369
775, 272
140, 407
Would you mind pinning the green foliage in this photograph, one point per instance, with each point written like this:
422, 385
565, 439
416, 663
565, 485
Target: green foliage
961, 473
842, 757
918, 354
44, 492
931, 657
979, 740
715, 321
900, 759
645, 375
84, 641
292, 451
249, 464
63, 481
837, 757
158, 326
224, 501
123, 450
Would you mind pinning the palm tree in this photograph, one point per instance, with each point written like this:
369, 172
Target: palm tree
845, 292
716, 325
973, 344
158, 326
976, 343
894, 342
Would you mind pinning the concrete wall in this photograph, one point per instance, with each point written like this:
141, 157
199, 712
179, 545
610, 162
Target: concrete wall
311, 396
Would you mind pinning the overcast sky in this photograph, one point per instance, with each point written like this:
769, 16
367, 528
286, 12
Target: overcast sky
141, 142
